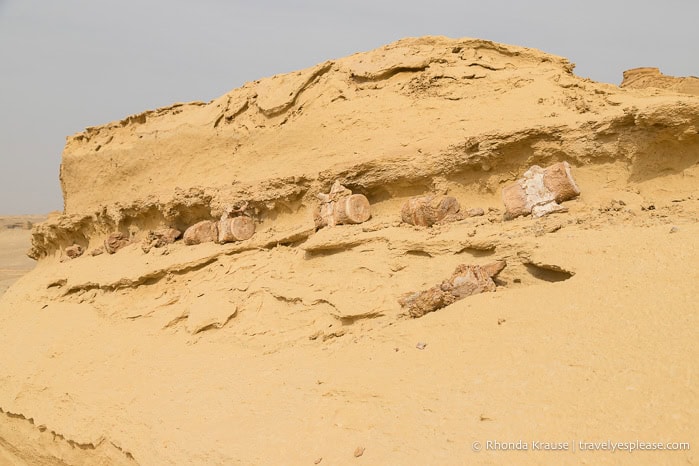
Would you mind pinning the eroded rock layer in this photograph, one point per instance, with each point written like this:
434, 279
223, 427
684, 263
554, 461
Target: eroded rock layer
290, 346
642, 78
400, 116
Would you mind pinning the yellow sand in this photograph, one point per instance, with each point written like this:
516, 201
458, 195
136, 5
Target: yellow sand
291, 347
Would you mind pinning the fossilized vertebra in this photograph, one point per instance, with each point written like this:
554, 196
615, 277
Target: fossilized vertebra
428, 210
340, 207
201, 232
466, 280
539, 191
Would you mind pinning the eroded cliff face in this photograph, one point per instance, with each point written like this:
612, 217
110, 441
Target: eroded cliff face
201, 354
643, 78
400, 116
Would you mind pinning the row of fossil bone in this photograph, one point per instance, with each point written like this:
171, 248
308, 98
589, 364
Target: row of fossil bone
235, 225
538, 193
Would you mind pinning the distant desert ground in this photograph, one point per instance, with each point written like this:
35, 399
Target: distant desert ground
15, 239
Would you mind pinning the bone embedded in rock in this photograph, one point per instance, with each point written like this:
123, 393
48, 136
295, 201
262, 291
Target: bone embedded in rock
539, 191
494, 268
352, 210
160, 238
201, 232
475, 212
235, 229
515, 199
466, 280
428, 210
74, 251
341, 207
559, 180
115, 241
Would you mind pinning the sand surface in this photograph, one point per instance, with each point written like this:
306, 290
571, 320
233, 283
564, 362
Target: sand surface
292, 348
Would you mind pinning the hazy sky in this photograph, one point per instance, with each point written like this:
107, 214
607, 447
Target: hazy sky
69, 64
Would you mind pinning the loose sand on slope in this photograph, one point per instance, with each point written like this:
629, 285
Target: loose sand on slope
291, 347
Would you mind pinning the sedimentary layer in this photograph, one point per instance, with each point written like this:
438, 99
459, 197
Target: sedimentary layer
292, 347
652, 78
399, 117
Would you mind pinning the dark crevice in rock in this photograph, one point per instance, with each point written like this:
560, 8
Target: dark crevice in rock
548, 273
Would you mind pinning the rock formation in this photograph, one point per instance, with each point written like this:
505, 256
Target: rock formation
186, 357
642, 78
275, 139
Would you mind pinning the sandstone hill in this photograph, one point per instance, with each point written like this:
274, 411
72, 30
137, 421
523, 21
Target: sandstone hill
642, 78
292, 347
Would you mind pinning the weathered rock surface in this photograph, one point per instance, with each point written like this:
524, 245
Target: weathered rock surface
186, 357
277, 137
642, 78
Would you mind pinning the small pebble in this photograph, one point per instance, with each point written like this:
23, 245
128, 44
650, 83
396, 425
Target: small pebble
674, 230
420, 345
358, 452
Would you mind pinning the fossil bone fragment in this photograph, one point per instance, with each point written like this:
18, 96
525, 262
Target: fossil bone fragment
539, 191
427, 210
466, 280
341, 207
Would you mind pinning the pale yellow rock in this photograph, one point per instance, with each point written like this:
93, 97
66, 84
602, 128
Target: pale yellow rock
291, 346
649, 77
